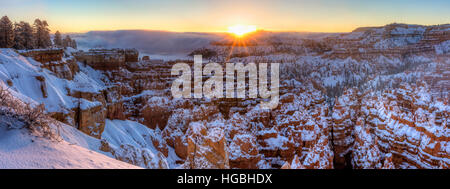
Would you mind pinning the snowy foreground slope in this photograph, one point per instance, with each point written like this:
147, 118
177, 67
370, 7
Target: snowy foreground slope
21, 150
69, 149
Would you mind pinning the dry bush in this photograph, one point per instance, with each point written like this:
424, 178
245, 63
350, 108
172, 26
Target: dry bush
33, 118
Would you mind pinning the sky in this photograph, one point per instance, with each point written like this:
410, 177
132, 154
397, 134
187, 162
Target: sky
218, 15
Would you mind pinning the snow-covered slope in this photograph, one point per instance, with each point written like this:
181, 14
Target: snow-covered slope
19, 149
22, 72
120, 133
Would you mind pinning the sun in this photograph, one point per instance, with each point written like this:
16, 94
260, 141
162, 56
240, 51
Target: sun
241, 30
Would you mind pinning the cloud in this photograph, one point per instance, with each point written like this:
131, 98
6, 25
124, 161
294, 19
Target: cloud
149, 42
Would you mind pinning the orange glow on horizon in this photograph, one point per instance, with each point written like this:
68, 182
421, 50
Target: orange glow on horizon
216, 16
241, 30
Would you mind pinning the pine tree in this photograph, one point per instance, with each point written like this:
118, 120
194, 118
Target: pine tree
74, 44
67, 42
18, 41
6, 33
38, 32
58, 39
27, 32
46, 37
42, 34
23, 33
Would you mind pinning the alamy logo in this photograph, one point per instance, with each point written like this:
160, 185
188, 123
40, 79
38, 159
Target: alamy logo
235, 85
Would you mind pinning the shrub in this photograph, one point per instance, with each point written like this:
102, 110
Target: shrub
33, 118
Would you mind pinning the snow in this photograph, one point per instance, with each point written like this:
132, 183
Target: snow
86, 104
443, 48
84, 83
118, 132
22, 72
278, 142
235, 149
21, 150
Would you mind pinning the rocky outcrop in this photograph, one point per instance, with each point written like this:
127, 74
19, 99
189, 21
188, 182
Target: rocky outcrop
295, 164
115, 110
207, 147
404, 121
44, 55
393, 39
174, 132
62, 65
114, 103
65, 69
388, 163
91, 119
43, 86
320, 157
156, 112
343, 124
366, 154
244, 152
107, 59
